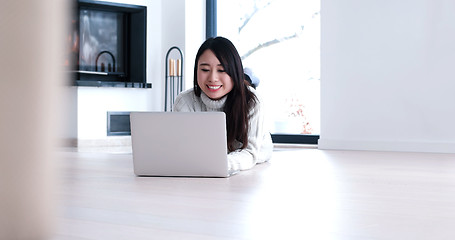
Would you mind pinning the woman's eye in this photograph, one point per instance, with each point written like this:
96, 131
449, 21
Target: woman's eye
204, 70
221, 70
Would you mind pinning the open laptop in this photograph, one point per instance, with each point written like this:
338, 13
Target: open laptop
184, 144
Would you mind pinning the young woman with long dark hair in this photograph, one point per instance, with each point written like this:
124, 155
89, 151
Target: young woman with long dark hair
220, 85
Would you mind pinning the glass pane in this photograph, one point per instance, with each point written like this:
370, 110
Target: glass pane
101, 41
280, 42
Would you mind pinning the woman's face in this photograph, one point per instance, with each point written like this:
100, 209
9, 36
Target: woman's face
211, 77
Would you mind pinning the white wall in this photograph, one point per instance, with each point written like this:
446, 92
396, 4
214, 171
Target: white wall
387, 77
92, 108
194, 36
173, 33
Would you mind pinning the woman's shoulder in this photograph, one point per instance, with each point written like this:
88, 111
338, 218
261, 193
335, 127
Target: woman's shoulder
185, 101
187, 92
187, 95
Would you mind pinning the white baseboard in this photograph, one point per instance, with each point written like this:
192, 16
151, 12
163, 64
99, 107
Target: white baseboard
114, 141
393, 146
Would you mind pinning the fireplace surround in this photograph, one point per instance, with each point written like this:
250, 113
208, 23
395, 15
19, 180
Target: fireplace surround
109, 45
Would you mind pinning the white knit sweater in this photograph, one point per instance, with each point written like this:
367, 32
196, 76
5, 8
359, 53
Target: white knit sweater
260, 146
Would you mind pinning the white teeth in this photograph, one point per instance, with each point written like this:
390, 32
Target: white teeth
214, 87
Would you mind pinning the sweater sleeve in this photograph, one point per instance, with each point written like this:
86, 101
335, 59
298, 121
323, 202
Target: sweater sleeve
259, 146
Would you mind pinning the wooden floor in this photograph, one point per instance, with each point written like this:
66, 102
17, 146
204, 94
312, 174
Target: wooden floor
302, 193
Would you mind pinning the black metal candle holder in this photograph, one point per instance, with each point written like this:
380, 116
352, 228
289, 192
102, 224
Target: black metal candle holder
174, 78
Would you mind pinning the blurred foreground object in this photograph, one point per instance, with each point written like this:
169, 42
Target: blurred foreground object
31, 45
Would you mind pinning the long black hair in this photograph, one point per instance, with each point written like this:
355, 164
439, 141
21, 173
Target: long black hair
240, 100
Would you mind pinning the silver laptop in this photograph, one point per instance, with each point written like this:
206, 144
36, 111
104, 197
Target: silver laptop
179, 144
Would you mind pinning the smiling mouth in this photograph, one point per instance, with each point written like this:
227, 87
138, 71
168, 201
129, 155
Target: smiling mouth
214, 87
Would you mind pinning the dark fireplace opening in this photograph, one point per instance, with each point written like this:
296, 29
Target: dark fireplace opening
109, 44
118, 124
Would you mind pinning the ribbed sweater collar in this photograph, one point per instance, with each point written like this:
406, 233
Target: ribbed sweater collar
217, 105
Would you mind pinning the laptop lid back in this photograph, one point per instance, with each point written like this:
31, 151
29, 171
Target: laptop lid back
179, 144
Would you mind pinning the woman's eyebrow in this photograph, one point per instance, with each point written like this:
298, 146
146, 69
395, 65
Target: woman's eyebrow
206, 64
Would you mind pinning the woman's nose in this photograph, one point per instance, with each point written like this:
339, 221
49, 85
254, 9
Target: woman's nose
213, 76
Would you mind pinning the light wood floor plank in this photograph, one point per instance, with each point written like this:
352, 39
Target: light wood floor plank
302, 193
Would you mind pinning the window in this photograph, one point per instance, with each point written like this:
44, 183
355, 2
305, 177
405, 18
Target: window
279, 41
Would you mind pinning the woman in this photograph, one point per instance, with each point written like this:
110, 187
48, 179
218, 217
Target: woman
219, 85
